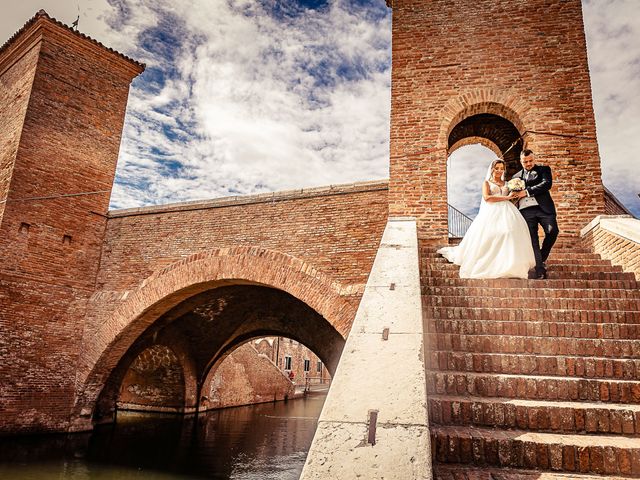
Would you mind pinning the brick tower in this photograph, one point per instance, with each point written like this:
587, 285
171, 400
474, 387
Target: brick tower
526, 379
62, 106
491, 72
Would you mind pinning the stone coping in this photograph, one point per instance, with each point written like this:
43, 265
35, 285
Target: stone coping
624, 226
271, 197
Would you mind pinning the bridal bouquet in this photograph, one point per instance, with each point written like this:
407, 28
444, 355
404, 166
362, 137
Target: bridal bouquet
515, 185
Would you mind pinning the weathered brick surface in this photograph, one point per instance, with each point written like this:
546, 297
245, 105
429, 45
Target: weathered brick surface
64, 110
17, 79
245, 377
613, 206
323, 262
335, 229
154, 379
523, 61
619, 250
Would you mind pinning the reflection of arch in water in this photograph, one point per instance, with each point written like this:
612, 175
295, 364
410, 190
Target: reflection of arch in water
210, 303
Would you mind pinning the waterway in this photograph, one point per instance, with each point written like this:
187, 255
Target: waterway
259, 442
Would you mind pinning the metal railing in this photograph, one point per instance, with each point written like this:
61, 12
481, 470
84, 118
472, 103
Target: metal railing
458, 222
316, 383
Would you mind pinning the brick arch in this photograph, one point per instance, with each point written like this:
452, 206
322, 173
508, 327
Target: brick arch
179, 346
169, 287
503, 103
485, 142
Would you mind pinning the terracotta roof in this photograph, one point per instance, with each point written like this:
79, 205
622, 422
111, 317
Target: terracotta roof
45, 15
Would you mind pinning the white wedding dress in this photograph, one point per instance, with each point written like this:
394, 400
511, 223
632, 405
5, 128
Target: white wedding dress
497, 244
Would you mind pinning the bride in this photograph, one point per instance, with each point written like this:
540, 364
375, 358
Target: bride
497, 244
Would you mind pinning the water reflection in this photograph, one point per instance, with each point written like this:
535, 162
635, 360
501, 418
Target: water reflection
268, 441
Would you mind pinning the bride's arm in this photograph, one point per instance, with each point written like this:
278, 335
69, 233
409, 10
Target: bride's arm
486, 194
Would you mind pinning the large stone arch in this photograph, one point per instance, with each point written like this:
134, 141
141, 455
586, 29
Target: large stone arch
166, 289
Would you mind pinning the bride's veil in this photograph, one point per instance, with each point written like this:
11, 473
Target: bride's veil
489, 175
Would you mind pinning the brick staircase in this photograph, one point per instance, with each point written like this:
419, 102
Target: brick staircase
533, 379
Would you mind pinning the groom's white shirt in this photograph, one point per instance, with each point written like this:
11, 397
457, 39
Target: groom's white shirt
528, 201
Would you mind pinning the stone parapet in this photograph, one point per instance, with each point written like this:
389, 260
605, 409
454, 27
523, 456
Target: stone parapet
615, 238
270, 197
375, 426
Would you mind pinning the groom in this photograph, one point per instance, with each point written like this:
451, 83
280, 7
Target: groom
537, 207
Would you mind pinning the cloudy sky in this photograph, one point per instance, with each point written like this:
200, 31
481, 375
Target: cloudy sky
249, 96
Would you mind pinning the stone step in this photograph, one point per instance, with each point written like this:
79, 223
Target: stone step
539, 416
557, 249
429, 267
464, 472
509, 293
535, 329
577, 260
532, 315
552, 275
517, 284
541, 365
593, 454
587, 347
521, 301
567, 258
533, 387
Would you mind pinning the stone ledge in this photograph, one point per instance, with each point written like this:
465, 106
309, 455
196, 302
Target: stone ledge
624, 226
284, 195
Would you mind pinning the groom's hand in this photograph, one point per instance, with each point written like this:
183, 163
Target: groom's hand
521, 194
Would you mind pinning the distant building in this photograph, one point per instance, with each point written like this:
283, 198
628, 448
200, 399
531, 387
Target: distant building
292, 356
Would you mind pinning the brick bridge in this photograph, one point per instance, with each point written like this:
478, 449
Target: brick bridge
84, 290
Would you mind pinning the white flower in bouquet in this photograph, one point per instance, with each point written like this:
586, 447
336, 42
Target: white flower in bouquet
516, 185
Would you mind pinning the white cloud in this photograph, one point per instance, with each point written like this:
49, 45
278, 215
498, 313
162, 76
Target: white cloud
259, 117
613, 41
466, 170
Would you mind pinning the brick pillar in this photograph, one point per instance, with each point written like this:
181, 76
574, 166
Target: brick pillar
523, 61
64, 106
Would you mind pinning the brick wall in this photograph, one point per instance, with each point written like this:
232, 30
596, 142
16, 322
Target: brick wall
17, 78
245, 377
69, 136
618, 243
336, 229
523, 61
333, 232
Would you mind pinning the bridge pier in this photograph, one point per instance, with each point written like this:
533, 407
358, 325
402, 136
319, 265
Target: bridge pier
375, 425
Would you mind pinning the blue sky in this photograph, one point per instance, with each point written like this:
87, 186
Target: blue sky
249, 96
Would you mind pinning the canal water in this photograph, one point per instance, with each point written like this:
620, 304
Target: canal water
259, 442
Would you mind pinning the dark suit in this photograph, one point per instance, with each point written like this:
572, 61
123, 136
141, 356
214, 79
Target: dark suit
538, 182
